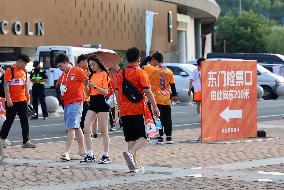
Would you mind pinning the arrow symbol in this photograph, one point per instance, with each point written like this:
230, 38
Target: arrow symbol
228, 114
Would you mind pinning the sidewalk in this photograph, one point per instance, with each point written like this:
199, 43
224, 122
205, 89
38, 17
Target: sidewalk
250, 164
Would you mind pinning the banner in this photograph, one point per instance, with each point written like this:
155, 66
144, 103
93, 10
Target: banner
148, 30
229, 99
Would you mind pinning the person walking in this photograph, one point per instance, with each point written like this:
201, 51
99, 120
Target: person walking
195, 82
99, 84
71, 85
17, 100
38, 78
132, 113
113, 72
163, 86
83, 64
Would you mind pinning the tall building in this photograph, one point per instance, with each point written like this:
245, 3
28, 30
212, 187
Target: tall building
182, 29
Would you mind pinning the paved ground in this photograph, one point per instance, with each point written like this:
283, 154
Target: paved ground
248, 164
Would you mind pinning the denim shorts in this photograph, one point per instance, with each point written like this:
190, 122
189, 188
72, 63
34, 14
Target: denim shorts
72, 115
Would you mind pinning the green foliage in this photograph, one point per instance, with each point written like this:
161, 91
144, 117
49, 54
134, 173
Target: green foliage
245, 33
273, 9
275, 41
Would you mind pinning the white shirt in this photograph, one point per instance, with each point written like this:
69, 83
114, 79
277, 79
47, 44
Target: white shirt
195, 76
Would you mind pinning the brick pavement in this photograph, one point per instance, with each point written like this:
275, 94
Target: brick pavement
170, 165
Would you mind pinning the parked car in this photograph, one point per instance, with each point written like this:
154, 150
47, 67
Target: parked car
268, 81
181, 74
260, 57
274, 68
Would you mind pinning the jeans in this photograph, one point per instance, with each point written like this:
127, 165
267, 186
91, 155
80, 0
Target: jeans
72, 115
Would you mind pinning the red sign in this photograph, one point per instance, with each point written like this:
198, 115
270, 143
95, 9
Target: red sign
2, 106
229, 99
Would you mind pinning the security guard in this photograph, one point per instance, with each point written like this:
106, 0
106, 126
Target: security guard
38, 78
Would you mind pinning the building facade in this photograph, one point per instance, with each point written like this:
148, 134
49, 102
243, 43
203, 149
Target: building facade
182, 28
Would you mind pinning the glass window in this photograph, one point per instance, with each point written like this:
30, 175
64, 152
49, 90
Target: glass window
175, 70
44, 57
54, 54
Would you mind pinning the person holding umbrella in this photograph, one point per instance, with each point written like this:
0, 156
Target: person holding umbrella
98, 83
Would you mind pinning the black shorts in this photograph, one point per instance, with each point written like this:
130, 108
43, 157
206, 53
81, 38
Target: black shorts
98, 104
133, 127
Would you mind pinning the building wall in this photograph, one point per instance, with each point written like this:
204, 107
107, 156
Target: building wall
116, 24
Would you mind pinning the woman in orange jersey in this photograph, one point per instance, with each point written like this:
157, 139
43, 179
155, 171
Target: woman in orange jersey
98, 90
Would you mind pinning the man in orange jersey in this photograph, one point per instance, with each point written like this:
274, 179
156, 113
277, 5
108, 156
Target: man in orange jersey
17, 100
163, 86
131, 113
71, 84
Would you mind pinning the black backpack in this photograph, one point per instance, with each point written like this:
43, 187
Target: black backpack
2, 92
130, 91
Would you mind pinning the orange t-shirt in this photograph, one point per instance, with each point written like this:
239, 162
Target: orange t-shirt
161, 79
86, 90
113, 77
140, 80
73, 79
101, 80
17, 85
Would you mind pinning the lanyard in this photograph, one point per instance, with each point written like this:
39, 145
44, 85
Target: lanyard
66, 78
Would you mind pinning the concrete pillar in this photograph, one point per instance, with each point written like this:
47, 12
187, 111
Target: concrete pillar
182, 46
198, 41
190, 39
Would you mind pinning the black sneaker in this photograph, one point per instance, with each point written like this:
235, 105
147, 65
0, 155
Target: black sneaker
34, 117
88, 159
169, 140
160, 140
104, 160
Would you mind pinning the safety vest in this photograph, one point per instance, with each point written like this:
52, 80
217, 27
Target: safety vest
37, 76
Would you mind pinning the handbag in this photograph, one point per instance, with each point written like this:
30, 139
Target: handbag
111, 100
31, 111
130, 91
150, 127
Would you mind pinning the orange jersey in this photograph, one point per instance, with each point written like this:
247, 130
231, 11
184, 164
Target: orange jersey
73, 79
161, 79
140, 80
101, 80
17, 85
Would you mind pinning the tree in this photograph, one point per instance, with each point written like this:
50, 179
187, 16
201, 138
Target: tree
245, 33
275, 41
271, 9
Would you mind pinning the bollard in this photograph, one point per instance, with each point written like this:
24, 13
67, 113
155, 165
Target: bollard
260, 93
52, 104
280, 92
183, 97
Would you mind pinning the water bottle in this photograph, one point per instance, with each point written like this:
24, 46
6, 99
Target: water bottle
158, 123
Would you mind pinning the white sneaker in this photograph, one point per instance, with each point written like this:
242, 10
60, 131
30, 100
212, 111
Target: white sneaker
7, 142
139, 169
129, 160
65, 157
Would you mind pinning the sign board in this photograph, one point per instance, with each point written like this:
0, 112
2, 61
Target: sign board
2, 106
229, 99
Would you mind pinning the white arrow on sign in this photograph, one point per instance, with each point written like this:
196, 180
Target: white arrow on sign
231, 114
